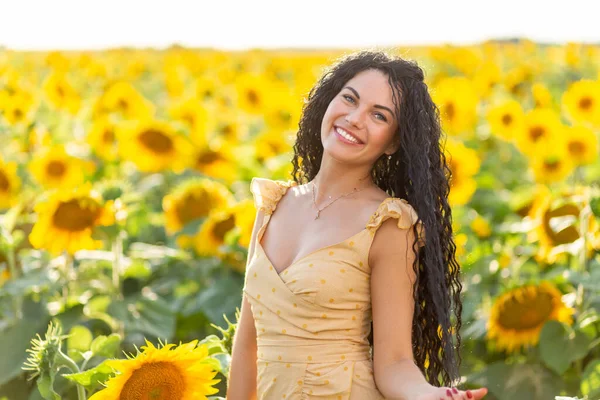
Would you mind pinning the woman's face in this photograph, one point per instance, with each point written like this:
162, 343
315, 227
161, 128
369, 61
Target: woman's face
359, 124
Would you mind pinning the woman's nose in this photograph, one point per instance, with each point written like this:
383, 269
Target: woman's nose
355, 118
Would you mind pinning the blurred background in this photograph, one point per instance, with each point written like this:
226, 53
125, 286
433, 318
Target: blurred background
129, 133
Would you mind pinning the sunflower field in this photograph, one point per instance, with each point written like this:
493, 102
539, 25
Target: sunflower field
125, 212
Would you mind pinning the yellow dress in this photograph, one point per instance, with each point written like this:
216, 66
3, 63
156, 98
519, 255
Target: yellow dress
313, 320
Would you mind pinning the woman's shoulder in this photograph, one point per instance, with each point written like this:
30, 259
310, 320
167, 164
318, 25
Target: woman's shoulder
267, 192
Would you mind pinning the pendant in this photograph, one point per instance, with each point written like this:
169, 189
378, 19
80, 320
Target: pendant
317, 217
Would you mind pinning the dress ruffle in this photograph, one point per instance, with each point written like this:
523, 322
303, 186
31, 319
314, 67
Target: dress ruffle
267, 193
397, 208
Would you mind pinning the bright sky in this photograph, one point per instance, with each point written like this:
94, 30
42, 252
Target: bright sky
228, 24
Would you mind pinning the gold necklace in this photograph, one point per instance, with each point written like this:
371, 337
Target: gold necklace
355, 190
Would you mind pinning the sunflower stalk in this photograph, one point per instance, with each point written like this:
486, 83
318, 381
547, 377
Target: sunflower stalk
117, 249
64, 360
12, 267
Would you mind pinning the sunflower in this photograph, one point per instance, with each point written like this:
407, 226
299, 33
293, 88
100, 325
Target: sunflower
123, 99
283, 112
61, 94
252, 93
212, 232
464, 164
272, 143
457, 99
66, 220
486, 78
152, 145
581, 102
542, 98
517, 316
481, 227
192, 113
542, 126
556, 227
206, 88
9, 184
185, 372
582, 144
18, 109
102, 139
52, 167
192, 200
552, 164
507, 120
216, 161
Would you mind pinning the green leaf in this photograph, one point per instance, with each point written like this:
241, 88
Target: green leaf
79, 341
15, 339
213, 343
149, 316
106, 346
93, 376
518, 382
595, 206
222, 297
590, 382
560, 346
45, 386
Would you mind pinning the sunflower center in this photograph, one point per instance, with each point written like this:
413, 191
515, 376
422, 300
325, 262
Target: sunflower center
207, 157
252, 97
552, 165
222, 227
193, 206
156, 141
154, 381
536, 132
561, 234
71, 216
4, 182
108, 136
528, 310
585, 103
450, 110
56, 168
576, 148
18, 114
507, 119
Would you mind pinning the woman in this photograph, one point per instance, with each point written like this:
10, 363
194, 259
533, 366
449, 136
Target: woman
349, 292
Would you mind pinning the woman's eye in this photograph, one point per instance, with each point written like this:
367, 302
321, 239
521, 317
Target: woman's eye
383, 118
349, 98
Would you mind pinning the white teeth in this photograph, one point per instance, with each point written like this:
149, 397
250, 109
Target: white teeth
346, 135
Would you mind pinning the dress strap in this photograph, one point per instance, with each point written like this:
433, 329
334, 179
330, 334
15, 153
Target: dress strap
267, 194
398, 208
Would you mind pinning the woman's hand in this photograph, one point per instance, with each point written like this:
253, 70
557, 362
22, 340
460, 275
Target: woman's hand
447, 393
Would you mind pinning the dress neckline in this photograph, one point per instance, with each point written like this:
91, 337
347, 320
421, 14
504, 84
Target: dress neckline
285, 185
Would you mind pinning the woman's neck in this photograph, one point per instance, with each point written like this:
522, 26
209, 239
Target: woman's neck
334, 180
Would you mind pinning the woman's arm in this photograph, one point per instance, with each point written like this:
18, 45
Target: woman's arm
242, 372
392, 277
241, 384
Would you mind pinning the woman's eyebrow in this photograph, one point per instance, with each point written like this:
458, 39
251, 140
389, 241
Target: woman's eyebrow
376, 105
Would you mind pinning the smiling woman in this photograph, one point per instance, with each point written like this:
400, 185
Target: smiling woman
363, 301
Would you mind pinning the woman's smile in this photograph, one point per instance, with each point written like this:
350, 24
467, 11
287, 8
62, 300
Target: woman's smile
346, 137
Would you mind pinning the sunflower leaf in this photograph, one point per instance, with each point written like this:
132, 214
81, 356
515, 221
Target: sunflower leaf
79, 341
106, 346
92, 376
590, 383
560, 346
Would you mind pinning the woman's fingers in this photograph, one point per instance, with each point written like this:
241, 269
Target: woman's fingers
477, 393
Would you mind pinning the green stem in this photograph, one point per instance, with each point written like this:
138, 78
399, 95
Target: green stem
117, 249
12, 267
64, 360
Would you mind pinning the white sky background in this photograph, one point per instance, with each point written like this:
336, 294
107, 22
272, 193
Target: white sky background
227, 24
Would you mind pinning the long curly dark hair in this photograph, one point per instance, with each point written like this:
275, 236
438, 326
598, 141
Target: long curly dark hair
417, 172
